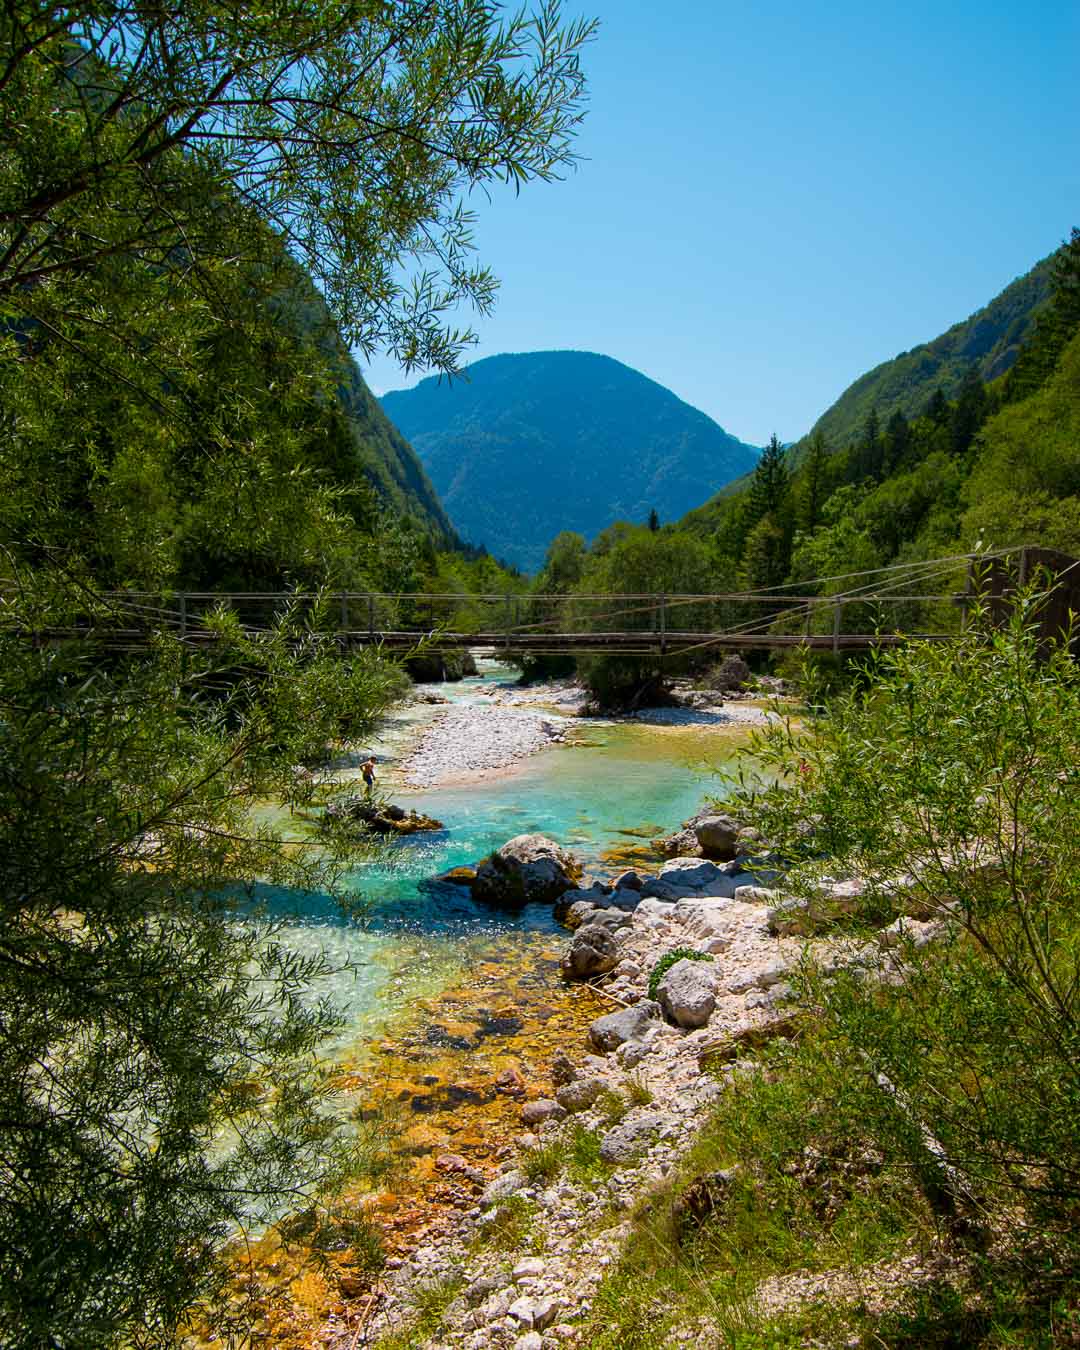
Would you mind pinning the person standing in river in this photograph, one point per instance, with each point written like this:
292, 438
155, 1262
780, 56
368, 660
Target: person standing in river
367, 772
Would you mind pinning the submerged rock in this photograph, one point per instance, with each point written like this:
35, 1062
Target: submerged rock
458, 876
628, 1024
528, 868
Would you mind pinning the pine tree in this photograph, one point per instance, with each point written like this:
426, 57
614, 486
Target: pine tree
814, 480
654, 521
769, 486
897, 443
868, 452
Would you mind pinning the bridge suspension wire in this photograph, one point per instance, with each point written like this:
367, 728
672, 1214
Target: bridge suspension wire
891, 567
926, 571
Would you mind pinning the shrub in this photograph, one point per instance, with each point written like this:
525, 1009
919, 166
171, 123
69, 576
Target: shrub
955, 769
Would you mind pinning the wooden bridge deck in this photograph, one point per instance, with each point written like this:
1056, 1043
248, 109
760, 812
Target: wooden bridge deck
671, 643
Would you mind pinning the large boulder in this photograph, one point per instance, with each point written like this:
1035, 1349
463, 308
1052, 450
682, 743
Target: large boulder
687, 992
681, 844
683, 878
732, 673
802, 916
450, 663
694, 874
607, 1033
593, 951
580, 912
579, 897
529, 867
717, 836
630, 1139
611, 919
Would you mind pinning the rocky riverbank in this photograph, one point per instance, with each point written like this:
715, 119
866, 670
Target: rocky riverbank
465, 743
693, 962
468, 742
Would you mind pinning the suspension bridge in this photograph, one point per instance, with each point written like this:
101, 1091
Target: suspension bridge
926, 600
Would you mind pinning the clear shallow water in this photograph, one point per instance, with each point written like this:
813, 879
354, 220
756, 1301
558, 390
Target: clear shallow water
418, 937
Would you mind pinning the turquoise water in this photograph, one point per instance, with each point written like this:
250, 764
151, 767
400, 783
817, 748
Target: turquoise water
418, 935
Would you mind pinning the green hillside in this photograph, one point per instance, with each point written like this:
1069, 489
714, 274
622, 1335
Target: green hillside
531, 444
987, 343
380, 454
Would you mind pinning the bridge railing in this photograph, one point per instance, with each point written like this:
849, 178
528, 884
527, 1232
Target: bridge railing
668, 621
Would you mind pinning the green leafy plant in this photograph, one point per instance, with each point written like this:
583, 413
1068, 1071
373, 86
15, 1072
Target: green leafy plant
949, 785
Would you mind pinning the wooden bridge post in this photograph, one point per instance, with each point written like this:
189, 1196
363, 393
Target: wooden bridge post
344, 611
183, 615
371, 616
837, 607
663, 623
1061, 600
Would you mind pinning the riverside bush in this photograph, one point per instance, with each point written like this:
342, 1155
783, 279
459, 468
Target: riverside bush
160, 1088
949, 781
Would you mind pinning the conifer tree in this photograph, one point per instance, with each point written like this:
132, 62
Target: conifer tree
868, 452
897, 442
813, 477
769, 485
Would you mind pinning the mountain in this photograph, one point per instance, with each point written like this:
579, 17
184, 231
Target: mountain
987, 344
527, 445
375, 448
388, 460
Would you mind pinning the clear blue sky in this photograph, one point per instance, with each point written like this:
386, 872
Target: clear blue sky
777, 196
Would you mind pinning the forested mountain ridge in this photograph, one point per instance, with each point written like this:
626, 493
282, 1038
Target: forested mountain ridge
533, 443
387, 458
382, 454
987, 344
996, 465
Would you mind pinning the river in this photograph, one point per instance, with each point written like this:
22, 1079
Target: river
615, 785
452, 1007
